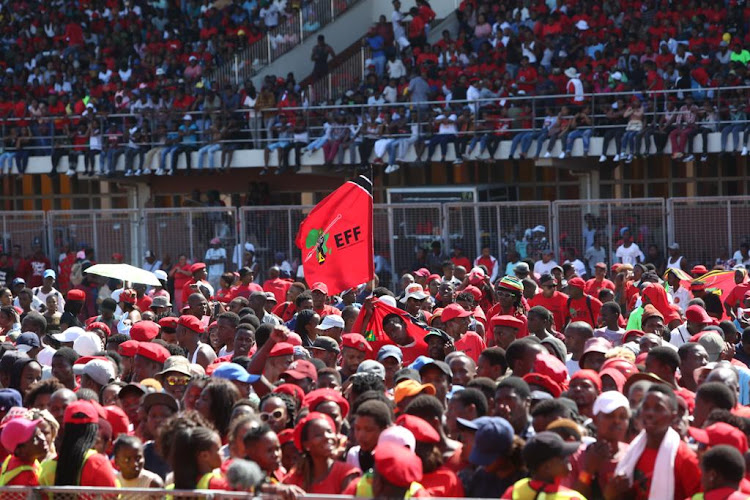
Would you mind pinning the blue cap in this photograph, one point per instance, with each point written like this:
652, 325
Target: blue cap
390, 351
29, 339
49, 273
420, 362
19, 281
493, 439
9, 398
472, 424
233, 371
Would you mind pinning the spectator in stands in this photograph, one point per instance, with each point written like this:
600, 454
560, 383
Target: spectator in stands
634, 115
213, 145
188, 133
320, 53
614, 123
684, 127
708, 122
558, 128
578, 127
735, 125
284, 138
172, 144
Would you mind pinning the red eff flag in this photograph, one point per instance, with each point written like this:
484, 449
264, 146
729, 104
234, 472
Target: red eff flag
336, 238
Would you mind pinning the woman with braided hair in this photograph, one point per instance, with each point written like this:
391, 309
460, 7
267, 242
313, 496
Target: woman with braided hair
510, 302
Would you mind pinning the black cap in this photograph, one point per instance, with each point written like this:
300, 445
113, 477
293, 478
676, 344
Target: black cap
406, 374
442, 365
544, 446
326, 344
436, 332
245, 271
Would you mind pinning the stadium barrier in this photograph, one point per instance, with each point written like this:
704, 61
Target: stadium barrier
706, 228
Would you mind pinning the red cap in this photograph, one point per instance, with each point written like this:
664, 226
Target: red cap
191, 323
720, 433
422, 272
616, 375
302, 369
475, 292
128, 296
314, 398
506, 320
632, 335
117, 419
423, 432
98, 325
433, 277
197, 267
319, 287
545, 382
281, 349
699, 270
355, 341
590, 375
81, 412
696, 314
168, 322
294, 339
152, 351
621, 365
76, 294
117, 256
551, 366
128, 348
454, 311
286, 436
144, 331
294, 391
600, 265
397, 464
85, 359
698, 285
313, 415
577, 283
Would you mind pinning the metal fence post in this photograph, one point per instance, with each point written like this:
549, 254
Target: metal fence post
670, 220
729, 227
611, 254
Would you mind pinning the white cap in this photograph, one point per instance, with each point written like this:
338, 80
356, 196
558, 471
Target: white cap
69, 335
398, 435
187, 118
582, 25
617, 75
102, 372
413, 291
331, 321
160, 275
87, 344
609, 401
249, 247
372, 366
387, 299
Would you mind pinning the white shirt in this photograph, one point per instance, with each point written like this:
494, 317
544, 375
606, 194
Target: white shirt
579, 266
572, 366
575, 87
541, 268
679, 335
398, 28
155, 266
739, 259
629, 255
681, 297
214, 254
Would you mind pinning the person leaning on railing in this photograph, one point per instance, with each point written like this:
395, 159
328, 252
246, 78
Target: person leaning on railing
735, 125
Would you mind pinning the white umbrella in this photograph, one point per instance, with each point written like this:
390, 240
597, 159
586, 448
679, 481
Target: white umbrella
124, 272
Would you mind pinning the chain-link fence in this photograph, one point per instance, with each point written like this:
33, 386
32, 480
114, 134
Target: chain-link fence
106, 231
581, 224
23, 229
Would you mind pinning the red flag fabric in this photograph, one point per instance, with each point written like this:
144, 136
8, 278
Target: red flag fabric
719, 282
375, 334
336, 238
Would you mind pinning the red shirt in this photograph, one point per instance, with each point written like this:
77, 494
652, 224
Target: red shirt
579, 310
473, 345
462, 261
144, 303
556, 305
25, 478
244, 290
593, 286
736, 295
332, 484
278, 287
98, 471
687, 474
442, 482
326, 310
285, 311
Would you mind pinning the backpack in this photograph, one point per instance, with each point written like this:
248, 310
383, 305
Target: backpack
588, 306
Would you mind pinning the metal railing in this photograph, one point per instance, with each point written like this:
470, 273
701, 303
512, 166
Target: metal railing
91, 493
291, 31
707, 229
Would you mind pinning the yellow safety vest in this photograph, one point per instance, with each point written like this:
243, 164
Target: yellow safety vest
522, 490
364, 487
7, 476
203, 482
49, 468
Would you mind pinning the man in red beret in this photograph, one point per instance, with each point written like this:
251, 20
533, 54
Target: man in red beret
579, 306
280, 357
127, 351
552, 300
198, 270
505, 329
354, 350
457, 320
149, 360
189, 331
168, 327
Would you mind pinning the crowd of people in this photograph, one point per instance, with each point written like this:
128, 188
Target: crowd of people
487, 379
130, 79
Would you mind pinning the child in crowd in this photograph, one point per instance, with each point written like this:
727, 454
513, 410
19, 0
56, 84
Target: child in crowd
129, 461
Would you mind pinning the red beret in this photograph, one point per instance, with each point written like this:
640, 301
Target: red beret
98, 325
632, 335
128, 348
397, 464
144, 331
286, 436
168, 322
314, 398
545, 382
281, 349
577, 283
128, 296
423, 432
590, 375
356, 341
294, 391
191, 323
551, 366
313, 415
76, 294
117, 419
197, 267
696, 314
85, 359
152, 351
506, 320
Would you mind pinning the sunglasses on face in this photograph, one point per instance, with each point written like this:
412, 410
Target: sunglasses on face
274, 415
504, 294
177, 380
